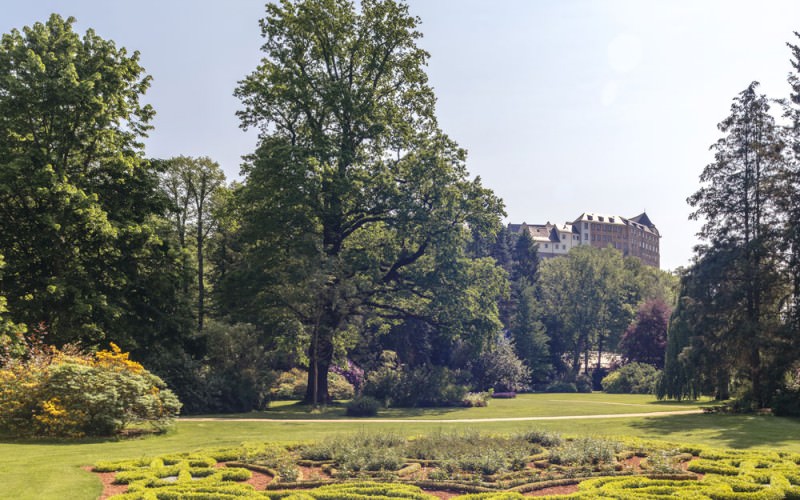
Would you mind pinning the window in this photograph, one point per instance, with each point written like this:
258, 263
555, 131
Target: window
545, 245
586, 225
586, 236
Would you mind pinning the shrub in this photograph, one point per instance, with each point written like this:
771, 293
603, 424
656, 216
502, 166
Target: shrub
292, 384
426, 385
545, 438
561, 387
383, 382
633, 378
585, 451
500, 368
429, 385
583, 383
504, 395
477, 399
363, 406
69, 394
786, 403
339, 387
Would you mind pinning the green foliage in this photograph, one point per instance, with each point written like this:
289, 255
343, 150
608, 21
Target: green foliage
83, 252
429, 385
421, 386
530, 336
273, 456
477, 399
545, 438
786, 403
473, 452
561, 387
293, 384
586, 451
735, 292
70, 395
498, 368
336, 228
583, 383
12, 336
591, 305
360, 452
633, 378
363, 406
290, 384
474, 462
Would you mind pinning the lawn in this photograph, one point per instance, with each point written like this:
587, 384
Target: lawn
51, 470
524, 405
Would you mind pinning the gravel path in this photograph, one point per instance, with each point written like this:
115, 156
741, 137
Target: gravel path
443, 421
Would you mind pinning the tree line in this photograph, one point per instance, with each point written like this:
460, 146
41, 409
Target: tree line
356, 241
735, 330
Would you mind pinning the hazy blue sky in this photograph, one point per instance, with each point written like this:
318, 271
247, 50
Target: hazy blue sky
564, 106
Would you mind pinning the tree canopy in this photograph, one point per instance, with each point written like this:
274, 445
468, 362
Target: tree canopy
75, 193
356, 207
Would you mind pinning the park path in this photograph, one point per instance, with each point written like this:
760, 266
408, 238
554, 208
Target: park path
442, 421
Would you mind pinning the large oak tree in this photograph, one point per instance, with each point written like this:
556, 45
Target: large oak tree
356, 207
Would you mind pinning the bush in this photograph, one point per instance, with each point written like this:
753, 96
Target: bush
586, 451
430, 385
339, 387
545, 438
500, 369
583, 383
292, 385
69, 394
561, 387
633, 378
786, 403
423, 386
363, 406
477, 399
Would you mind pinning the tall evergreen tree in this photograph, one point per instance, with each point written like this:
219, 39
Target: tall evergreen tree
737, 203
789, 198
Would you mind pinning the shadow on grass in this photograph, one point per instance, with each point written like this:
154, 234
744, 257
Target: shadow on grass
667, 403
734, 431
301, 411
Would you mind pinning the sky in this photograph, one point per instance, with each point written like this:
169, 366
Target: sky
565, 106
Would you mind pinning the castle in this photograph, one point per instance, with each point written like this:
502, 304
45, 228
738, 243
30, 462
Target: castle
635, 236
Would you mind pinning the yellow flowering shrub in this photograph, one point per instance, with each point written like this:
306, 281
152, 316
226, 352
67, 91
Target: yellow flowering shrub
63, 393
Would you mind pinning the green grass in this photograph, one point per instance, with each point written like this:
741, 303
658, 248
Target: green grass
45, 469
524, 405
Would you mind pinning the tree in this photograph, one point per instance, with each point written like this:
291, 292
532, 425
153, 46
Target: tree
645, 340
789, 196
530, 335
737, 201
11, 340
698, 359
74, 189
191, 184
526, 258
356, 207
584, 303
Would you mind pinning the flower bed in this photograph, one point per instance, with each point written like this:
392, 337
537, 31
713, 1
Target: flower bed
472, 465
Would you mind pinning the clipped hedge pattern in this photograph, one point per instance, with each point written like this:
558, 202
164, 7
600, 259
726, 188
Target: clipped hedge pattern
714, 474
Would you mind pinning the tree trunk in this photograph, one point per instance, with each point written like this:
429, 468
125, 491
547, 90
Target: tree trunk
320, 357
201, 291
